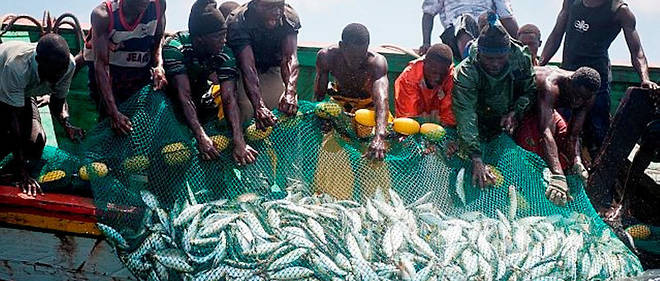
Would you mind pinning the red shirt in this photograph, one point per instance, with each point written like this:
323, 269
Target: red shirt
413, 99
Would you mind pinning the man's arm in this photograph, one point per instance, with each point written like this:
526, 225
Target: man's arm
160, 80
322, 77
527, 88
464, 104
427, 29
380, 98
628, 22
243, 154
182, 84
59, 109
290, 69
575, 129
27, 184
547, 128
263, 117
557, 34
100, 45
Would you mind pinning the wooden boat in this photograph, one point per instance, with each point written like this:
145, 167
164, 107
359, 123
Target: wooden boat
54, 237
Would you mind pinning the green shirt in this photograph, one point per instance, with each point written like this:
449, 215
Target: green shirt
179, 57
481, 100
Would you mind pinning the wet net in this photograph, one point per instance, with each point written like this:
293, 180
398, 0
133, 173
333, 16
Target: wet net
313, 208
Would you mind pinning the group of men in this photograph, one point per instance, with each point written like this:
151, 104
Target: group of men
484, 80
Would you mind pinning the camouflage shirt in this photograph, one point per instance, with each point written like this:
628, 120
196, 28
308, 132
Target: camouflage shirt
481, 100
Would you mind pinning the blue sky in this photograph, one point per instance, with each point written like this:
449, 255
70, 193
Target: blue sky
392, 22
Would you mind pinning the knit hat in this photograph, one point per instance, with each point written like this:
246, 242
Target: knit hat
494, 40
205, 18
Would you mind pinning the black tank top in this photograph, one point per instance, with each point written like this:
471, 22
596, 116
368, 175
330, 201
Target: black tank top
589, 34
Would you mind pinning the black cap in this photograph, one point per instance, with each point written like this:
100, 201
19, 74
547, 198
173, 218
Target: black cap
205, 18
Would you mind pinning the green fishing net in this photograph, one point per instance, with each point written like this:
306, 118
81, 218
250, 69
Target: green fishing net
313, 208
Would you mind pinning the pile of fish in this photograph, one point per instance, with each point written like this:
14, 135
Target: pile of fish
319, 238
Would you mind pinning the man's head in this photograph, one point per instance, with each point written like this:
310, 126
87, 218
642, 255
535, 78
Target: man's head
437, 61
354, 43
227, 7
494, 46
270, 12
53, 57
585, 82
530, 35
207, 28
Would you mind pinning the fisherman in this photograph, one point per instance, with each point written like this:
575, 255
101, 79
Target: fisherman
191, 60
360, 80
124, 54
423, 90
264, 37
530, 36
459, 19
227, 7
493, 88
29, 70
544, 131
590, 27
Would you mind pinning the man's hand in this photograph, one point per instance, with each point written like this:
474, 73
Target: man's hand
264, 118
326, 126
43, 101
557, 191
481, 175
244, 155
121, 124
289, 104
29, 185
648, 84
75, 134
206, 148
452, 148
423, 49
509, 123
376, 149
158, 76
580, 170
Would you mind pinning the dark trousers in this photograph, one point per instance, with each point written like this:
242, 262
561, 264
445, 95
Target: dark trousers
32, 138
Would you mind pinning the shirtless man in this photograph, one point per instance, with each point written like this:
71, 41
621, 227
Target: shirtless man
545, 132
360, 80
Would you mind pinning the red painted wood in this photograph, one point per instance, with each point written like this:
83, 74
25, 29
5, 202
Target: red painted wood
12, 197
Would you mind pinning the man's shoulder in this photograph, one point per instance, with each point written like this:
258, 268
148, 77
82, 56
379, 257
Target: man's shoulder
292, 17
17, 54
179, 40
376, 58
521, 58
173, 48
237, 16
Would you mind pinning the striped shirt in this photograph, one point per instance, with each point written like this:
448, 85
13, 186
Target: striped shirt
131, 49
179, 58
450, 10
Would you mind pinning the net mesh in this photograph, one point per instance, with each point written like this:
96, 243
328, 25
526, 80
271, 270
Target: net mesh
312, 207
